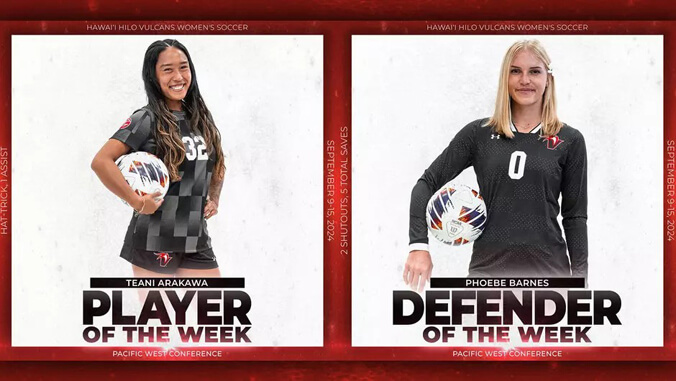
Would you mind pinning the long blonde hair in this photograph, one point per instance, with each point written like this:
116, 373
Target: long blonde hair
502, 117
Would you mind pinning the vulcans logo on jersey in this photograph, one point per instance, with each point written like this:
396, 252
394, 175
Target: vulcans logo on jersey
126, 123
552, 141
164, 259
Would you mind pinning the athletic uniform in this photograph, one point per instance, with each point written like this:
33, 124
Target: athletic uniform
175, 236
520, 180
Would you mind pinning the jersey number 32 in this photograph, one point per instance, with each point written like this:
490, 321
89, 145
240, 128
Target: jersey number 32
195, 148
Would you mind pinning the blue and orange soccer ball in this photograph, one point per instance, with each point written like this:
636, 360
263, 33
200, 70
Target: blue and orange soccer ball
456, 214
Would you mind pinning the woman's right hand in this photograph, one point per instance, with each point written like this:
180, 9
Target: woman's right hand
418, 269
148, 204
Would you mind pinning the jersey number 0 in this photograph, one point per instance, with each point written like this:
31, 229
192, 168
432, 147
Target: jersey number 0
517, 163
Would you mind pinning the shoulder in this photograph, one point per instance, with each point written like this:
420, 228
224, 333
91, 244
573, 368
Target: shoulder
476, 125
471, 133
479, 123
141, 119
137, 129
569, 131
142, 114
573, 140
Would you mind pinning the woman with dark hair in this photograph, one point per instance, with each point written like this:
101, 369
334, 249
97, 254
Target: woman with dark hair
524, 158
169, 236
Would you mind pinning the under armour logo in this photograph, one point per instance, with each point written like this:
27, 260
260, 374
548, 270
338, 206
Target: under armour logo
493, 136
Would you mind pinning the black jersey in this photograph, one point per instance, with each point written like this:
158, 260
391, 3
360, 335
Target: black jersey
179, 224
520, 180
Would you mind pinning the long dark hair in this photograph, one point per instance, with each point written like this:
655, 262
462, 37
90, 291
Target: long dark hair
169, 144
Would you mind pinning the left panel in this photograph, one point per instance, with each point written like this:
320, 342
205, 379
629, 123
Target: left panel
71, 93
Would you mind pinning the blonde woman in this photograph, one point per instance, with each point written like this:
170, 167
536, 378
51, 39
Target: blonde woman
524, 158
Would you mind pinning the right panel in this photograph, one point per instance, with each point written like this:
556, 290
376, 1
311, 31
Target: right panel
413, 94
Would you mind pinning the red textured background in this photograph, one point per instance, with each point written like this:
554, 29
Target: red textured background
337, 279
338, 10
340, 371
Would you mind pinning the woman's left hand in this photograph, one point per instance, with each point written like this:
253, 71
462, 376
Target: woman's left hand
210, 209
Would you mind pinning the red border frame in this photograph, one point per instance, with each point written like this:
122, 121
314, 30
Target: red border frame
391, 370
337, 279
336, 10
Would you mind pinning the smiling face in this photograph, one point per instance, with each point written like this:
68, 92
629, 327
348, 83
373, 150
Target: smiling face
527, 80
173, 75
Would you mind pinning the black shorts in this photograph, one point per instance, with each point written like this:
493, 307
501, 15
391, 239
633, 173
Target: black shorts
168, 263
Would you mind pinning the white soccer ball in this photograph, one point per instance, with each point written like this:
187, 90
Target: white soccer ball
456, 214
145, 173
